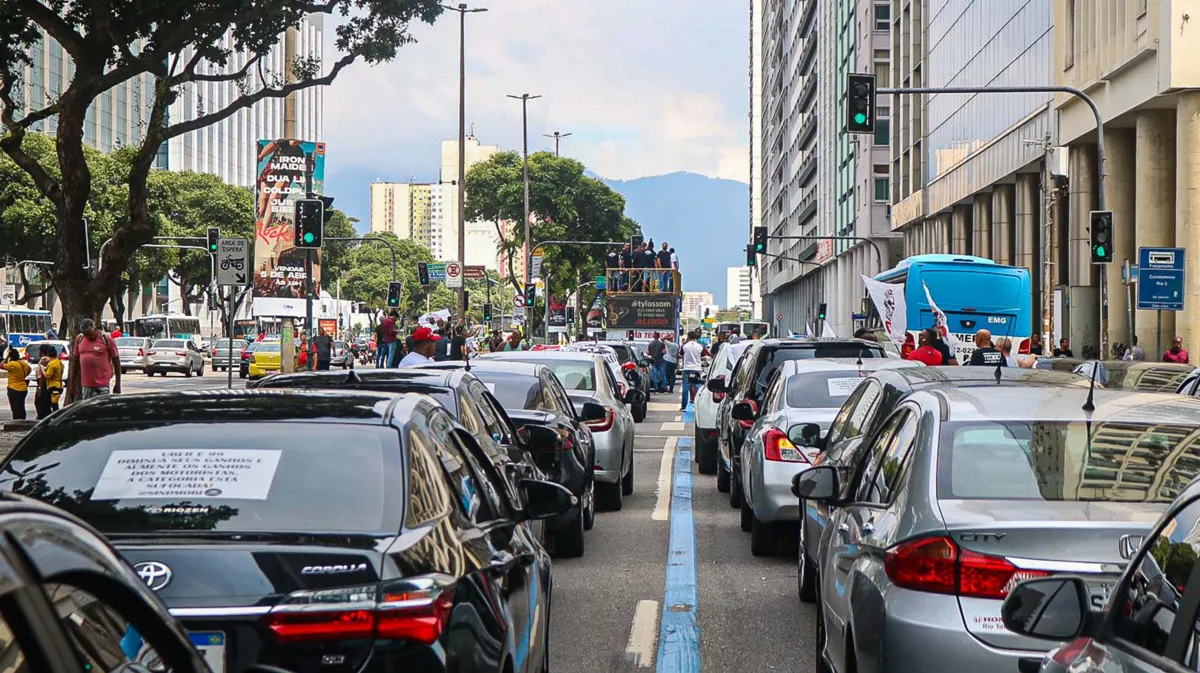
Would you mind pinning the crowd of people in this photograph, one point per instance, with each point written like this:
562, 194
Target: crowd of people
437, 341
643, 269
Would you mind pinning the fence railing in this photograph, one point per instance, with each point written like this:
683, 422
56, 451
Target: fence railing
624, 281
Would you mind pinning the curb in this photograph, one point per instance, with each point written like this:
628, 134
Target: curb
18, 426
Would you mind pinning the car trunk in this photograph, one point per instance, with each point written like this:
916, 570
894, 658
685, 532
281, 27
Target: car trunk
221, 591
1039, 538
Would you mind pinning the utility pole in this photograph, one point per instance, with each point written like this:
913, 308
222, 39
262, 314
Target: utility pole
557, 139
462, 144
287, 343
525, 98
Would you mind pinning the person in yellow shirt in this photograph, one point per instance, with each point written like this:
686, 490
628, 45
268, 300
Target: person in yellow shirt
18, 389
49, 378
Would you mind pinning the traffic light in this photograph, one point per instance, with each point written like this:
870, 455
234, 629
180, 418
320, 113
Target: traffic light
570, 315
1102, 228
530, 295
423, 274
310, 223
861, 104
760, 240
214, 237
821, 311
751, 256
487, 312
327, 212
393, 299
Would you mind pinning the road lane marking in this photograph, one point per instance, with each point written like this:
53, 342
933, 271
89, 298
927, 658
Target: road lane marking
643, 636
675, 426
679, 631
678, 417
662, 507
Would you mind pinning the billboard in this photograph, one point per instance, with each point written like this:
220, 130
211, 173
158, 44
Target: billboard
642, 310
556, 319
287, 171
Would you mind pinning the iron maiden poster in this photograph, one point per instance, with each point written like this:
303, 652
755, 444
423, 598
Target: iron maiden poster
287, 171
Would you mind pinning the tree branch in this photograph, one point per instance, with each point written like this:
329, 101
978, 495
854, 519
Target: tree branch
54, 25
12, 145
229, 76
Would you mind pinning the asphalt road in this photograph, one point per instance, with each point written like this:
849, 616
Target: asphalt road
608, 609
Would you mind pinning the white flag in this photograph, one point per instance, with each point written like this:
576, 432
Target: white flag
808, 330
827, 331
940, 323
889, 302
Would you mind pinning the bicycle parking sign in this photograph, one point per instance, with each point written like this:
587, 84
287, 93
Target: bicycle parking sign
233, 261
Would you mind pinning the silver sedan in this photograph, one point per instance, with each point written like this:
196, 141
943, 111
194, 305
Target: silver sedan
175, 355
133, 352
588, 378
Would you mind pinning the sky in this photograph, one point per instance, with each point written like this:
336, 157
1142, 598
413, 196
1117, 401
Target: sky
645, 87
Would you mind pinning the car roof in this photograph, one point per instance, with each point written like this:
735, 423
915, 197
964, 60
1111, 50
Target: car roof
790, 367
799, 342
917, 378
1058, 403
577, 356
209, 406
497, 366
431, 376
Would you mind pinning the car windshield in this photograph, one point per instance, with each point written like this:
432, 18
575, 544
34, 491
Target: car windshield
771, 358
574, 374
169, 343
129, 341
821, 390
222, 343
1060, 461
251, 477
267, 348
515, 391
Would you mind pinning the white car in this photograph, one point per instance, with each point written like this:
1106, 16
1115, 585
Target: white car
707, 403
175, 355
61, 348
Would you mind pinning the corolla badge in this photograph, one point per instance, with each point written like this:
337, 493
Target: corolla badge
156, 575
1129, 545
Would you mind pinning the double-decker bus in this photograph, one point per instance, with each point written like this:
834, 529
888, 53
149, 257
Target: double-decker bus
974, 292
19, 325
169, 326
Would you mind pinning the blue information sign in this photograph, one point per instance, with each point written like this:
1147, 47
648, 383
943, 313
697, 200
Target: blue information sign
1160, 279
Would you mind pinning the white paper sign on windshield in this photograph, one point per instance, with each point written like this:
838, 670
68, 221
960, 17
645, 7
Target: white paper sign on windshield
842, 387
228, 474
491, 387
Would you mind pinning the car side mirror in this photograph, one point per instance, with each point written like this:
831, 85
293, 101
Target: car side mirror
807, 435
592, 411
633, 397
1048, 608
539, 438
716, 385
819, 484
743, 411
545, 499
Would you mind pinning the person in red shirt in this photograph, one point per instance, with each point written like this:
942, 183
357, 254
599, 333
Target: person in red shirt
116, 333
95, 362
926, 353
1176, 353
387, 328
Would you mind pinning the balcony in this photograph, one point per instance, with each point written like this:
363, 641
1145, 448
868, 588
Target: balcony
809, 54
808, 131
808, 18
634, 281
809, 93
808, 170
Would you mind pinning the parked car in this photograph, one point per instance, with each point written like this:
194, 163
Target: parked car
174, 355
631, 356
133, 352
967, 490
62, 350
535, 400
341, 355
1147, 624
314, 526
844, 445
1163, 377
747, 383
265, 360
629, 373
247, 354
801, 400
707, 404
587, 377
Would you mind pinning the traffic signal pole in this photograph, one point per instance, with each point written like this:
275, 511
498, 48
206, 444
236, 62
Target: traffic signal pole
1101, 170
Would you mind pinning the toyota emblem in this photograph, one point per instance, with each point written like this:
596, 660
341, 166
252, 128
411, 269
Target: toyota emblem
156, 575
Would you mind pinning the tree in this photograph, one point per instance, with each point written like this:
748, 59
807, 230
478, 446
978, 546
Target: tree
177, 44
370, 271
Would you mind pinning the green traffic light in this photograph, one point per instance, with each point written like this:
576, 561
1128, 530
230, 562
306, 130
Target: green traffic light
1100, 251
860, 118
308, 237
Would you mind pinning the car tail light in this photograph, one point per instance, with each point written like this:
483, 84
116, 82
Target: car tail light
141, 352
603, 425
214, 352
717, 397
414, 609
938, 565
62, 355
1070, 651
181, 354
777, 447
628, 366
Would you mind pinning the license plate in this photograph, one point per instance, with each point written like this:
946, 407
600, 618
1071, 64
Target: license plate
211, 646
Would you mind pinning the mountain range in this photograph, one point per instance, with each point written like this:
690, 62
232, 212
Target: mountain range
705, 219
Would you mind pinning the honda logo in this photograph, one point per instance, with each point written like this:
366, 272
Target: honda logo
156, 575
1129, 545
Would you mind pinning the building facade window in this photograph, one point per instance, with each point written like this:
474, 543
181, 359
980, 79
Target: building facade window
1069, 46
883, 190
883, 130
883, 69
883, 16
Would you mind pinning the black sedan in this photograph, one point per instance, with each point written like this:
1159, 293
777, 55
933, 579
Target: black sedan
534, 398
307, 530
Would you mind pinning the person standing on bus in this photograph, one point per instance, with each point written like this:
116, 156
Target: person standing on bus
18, 388
95, 363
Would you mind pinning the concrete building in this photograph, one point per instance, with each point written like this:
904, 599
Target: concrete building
406, 209
1140, 61
740, 289
816, 181
694, 304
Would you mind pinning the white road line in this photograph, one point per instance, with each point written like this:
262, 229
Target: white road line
662, 507
673, 426
643, 636
678, 417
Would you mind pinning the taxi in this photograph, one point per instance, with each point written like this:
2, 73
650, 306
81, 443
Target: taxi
265, 360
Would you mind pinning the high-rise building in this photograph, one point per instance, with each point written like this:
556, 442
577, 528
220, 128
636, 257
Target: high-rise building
694, 303
740, 289
821, 193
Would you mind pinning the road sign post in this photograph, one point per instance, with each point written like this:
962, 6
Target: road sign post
454, 275
1160, 283
233, 272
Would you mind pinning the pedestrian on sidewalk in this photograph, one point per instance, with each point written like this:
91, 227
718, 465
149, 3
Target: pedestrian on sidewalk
18, 388
424, 347
390, 347
1176, 353
95, 364
381, 351
49, 381
671, 356
692, 353
1135, 353
655, 350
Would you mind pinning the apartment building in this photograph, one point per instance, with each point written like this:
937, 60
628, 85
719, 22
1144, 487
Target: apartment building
740, 289
694, 303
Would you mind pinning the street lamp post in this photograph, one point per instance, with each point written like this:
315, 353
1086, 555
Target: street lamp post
557, 139
462, 143
525, 98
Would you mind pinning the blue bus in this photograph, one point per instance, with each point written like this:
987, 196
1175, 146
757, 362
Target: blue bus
974, 292
19, 325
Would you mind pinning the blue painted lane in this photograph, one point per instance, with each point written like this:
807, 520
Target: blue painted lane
679, 632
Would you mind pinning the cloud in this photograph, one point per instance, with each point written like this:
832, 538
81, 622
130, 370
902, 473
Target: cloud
645, 88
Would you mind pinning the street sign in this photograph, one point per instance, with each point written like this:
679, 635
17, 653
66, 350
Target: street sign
8, 294
437, 272
1160, 279
233, 261
601, 283
454, 275
474, 272
535, 266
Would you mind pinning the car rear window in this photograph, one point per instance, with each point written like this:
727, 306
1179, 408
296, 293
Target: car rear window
267, 348
169, 343
251, 477
1058, 461
771, 358
129, 341
821, 390
515, 391
573, 374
